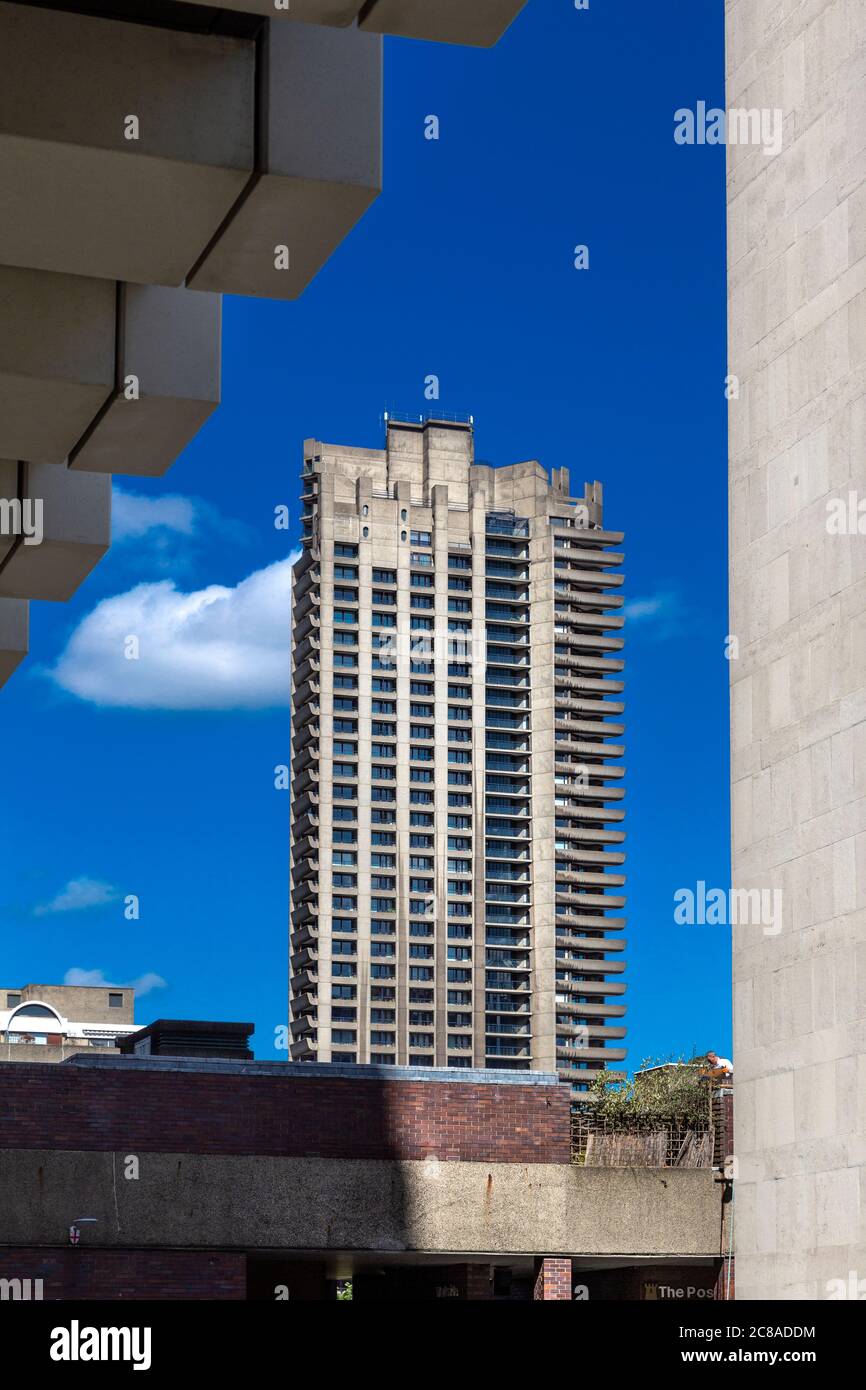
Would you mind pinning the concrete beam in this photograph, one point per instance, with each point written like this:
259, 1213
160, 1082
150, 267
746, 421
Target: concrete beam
194, 1200
56, 360
75, 511
168, 381
479, 24
333, 12
76, 194
320, 162
14, 635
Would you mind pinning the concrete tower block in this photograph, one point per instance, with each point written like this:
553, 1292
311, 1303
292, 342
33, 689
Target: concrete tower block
77, 194
76, 526
56, 360
319, 166
168, 381
14, 635
480, 23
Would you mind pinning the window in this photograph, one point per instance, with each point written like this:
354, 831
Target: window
115, 1001
345, 552
346, 572
12, 1000
384, 577
344, 856
345, 615
419, 558
421, 538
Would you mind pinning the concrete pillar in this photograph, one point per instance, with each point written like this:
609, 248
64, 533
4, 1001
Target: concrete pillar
552, 1279
797, 440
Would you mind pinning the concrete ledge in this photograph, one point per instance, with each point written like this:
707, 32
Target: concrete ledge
334, 12
478, 23
76, 194
182, 1200
320, 147
56, 360
76, 513
169, 341
326, 1071
14, 636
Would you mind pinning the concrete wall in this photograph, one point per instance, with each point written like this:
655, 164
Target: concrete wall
184, 1200
797, 238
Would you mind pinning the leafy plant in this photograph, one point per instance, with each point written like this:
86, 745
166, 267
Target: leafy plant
674, 1091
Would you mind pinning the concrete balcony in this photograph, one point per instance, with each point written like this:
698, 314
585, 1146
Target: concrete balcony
581, 921
591, 1010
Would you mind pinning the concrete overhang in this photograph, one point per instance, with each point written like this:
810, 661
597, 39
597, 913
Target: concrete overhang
75, 512
83, 188
319, 163
14, 635
56, 360
318, 1204
167, 381
478, 23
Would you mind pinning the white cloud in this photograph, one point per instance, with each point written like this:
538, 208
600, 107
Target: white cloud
79, 893
143, 985
215, 648
660, 615
133, 515
642, 608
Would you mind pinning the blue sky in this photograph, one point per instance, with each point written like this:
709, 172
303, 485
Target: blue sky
463, 268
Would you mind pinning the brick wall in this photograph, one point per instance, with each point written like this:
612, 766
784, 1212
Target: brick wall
51, 1107
75, 1273
553, 1280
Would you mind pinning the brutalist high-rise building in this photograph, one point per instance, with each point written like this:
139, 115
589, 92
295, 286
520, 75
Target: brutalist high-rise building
457, 840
